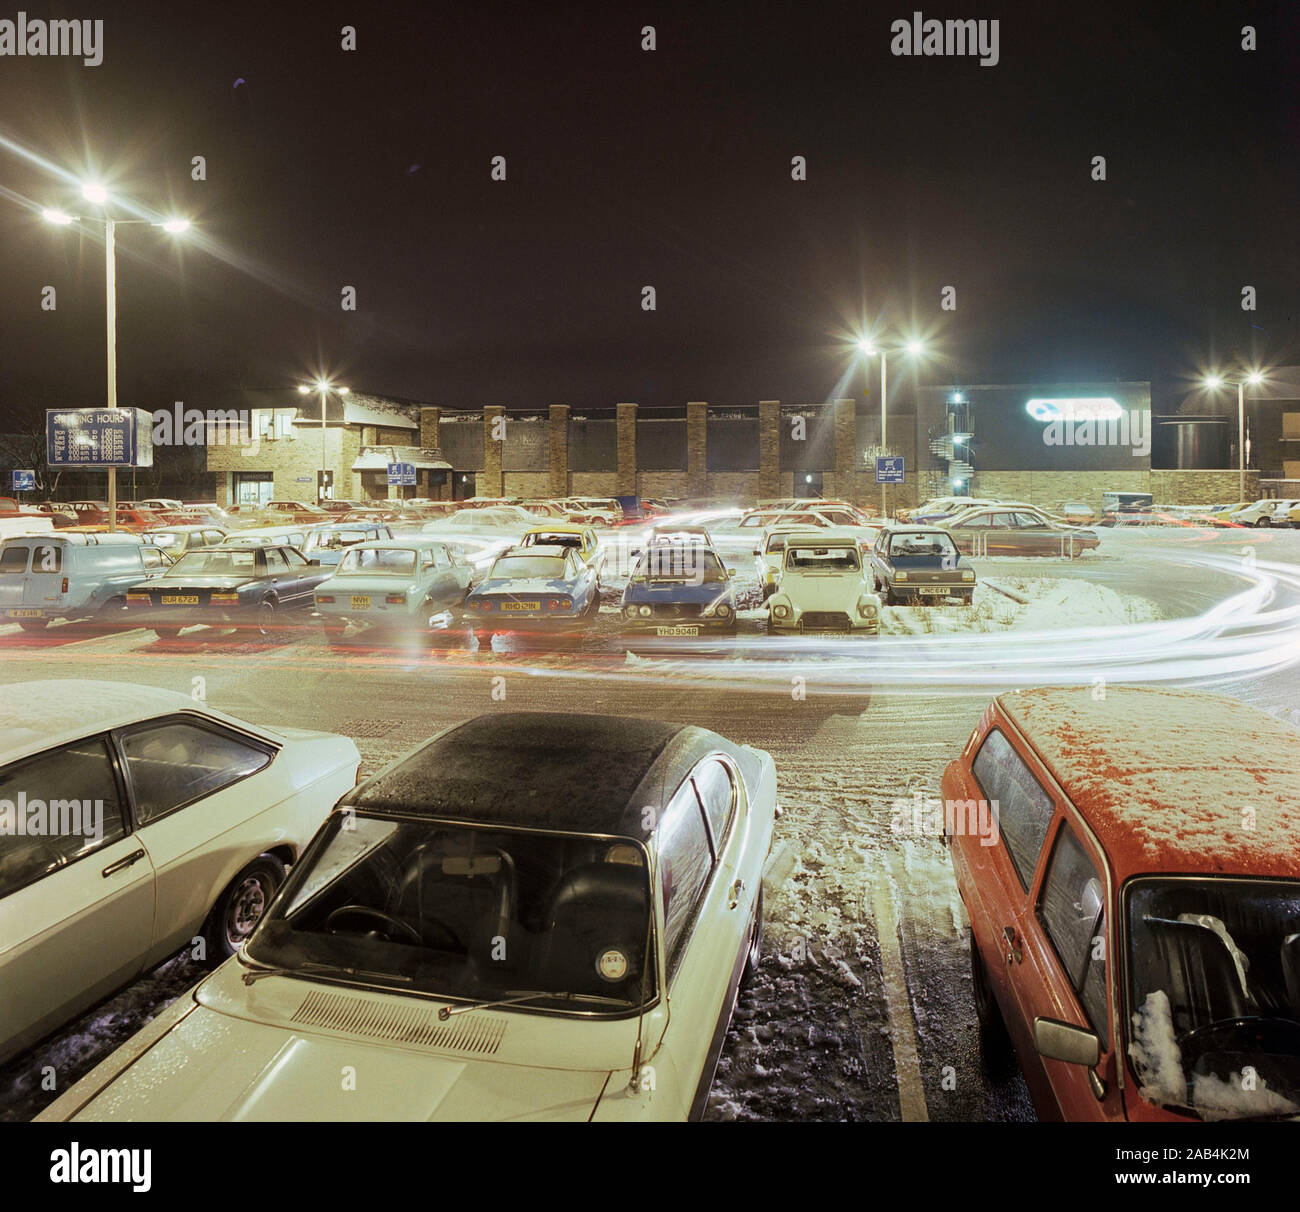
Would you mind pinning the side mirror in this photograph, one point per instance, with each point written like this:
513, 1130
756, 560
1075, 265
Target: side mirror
1056, 1040
731, 572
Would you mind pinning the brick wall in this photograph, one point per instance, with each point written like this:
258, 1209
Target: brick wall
1050, 488
1188, 487
626, 477
526, 484
663, 484
559, 443
769, 448
742, 485
697, 439
592, 483
488, 483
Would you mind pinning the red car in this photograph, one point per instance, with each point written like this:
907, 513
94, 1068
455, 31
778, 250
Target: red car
1130, 863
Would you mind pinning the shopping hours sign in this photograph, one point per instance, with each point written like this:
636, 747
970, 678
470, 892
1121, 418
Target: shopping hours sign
889, 469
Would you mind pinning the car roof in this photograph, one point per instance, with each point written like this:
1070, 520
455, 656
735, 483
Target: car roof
35, 716
559, 528
399, 541
558, 550
825, 536
586, 774
1164, 777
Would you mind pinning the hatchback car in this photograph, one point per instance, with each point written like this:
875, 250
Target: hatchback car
913, 565
486, 931
679, 591
135, 820
1128, 862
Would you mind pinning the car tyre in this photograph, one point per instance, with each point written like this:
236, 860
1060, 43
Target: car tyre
240, 907
1263, 522
754, 952
33, 624
264, 623
111, 611
995, 1042
166, 633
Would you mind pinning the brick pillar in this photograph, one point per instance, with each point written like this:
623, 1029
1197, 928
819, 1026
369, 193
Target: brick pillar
491, 484
846, 432
625, 480
769, 448
697, 446
558, 434
429, 418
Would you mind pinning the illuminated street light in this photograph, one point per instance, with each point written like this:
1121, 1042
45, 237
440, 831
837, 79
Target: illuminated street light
56, 216
94, 192
913, 348
324, 387
1254, 378
176, 226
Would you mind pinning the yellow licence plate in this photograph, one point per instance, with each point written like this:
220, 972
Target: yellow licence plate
521, 605
180, 599
22, 614
677, 631
360, 601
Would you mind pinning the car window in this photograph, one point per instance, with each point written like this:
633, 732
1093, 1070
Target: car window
174, 763
717, 792
13, 560
1027, 519
1022, 808
1072, 908
275, 561
46, 557
71, 795
979, 521
684, 866
153, 558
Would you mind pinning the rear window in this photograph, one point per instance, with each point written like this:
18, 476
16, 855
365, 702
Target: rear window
547, 567
46, 557
1022, 808
396, 562
822, 559
13, 560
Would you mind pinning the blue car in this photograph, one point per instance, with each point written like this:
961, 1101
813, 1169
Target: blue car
534, 588
679, 590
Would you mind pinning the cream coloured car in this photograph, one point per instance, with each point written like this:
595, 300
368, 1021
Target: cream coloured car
133, 820
822, 587
532, 916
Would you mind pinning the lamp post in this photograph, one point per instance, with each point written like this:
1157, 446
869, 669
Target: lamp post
1254, 378
98, 196
324, 387
869, 347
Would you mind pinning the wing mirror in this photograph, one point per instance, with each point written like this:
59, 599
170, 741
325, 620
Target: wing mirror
1056, 1040
731, 572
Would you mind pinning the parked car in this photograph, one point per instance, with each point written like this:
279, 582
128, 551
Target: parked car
177, 540
672, 534
237, 584
411, 582
769, 555
679, 590
1269, 511
296, 511
533, 587
998, 530
1076, 513
160, 504
582, 539
175, 821
1134, 898
17, 525
62, 575
595, 511
326, 544
490, 932
822, 587
913, 565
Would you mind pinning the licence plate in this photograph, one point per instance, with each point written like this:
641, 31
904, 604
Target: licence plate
521, 605
360, 601
934, 591
180, 599
677, 631
22, 614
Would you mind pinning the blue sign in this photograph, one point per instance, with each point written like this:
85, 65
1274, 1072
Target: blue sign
401, 475
24, 481
889, 469
98, 437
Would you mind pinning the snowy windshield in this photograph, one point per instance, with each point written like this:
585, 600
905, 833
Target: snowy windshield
390, 561
822, 559
547, 568
458, 912
922, 543
213, 563
1214, 995
695, 564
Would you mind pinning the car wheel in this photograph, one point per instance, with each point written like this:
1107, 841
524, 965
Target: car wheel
754, 954
33, 624
594, 609
166, 633
240, 907
1262, 522
111, 611
265, 618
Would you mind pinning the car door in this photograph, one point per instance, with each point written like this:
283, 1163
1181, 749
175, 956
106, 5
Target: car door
446, 583
76, 902
191, 802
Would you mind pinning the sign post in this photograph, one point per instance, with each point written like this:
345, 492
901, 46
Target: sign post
401, 475
889, 470
24, 481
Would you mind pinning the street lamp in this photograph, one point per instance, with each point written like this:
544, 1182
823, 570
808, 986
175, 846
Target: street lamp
98, 195
324, 387
1254, 378
912, 348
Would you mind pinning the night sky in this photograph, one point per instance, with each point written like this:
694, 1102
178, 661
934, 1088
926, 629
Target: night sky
669, 168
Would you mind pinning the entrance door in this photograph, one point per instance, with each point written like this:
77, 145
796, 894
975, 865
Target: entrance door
463, 485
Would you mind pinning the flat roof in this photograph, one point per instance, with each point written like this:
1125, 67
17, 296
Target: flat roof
1171, 780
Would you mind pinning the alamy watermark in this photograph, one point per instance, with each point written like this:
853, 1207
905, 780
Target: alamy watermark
32, 36
923, 816
1084, 426
26, 817
920, 36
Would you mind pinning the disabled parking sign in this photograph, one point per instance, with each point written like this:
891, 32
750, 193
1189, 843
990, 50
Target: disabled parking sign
889, 469
401, 475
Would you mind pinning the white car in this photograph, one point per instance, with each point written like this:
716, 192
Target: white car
769, 555
1271, 511
532, 916
594, 511
823, 587
161, 820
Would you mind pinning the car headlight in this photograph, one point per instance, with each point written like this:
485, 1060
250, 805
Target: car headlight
720, 611
630, 611
643, 611
900, 576
780, 611
867, 608
967, 575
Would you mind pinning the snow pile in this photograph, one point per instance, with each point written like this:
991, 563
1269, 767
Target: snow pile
1215, 1099
1155, 1054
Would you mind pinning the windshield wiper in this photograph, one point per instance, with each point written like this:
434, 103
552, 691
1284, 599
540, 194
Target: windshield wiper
313, 966
515, 999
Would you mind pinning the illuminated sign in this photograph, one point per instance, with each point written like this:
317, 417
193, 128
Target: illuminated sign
1074, 408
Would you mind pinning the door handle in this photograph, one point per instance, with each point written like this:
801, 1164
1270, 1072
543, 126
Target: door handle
1011, 939
733, 898
134, 857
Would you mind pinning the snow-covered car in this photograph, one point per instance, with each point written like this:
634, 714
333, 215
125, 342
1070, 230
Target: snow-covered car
670, 534
911, 565
326, 544
822, 587
769, 555
177, 540
531, 588
568, 534
678, 591
414, 582
1076, 513
532, 916
1128, 863
1270, 511
595, 511
134, 820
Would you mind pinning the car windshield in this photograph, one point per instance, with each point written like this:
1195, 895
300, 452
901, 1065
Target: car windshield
696, 564
384, 560
922, 543
334, 540
1214, 993
214, 564
508, 568
553, 540
464, 913
822, 559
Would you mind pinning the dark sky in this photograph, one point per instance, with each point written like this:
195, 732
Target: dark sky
671, 169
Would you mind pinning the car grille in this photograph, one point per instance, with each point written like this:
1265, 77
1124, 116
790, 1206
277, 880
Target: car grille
825, 620
677, 610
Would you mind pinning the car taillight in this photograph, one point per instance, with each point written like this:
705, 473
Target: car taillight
395, 599
558, 604
485, 605
325, 597
224, 598
137, 597
65, 586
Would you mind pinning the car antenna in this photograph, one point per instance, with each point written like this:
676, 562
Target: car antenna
634, 1085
